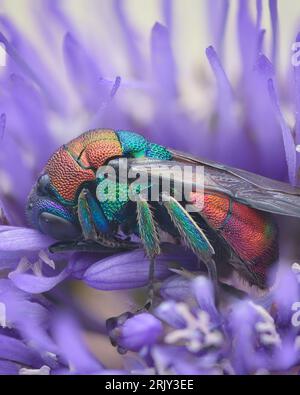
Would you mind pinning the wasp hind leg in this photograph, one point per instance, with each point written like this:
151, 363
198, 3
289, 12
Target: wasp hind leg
193, 236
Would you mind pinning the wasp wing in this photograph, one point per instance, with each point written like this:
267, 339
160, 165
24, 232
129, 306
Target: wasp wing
251, 189
256, 191
255, 179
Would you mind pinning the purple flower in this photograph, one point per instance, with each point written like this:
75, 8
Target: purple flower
243, 338
37, 338
137, 332
246, 124
176, 288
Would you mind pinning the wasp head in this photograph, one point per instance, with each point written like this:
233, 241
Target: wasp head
47, 214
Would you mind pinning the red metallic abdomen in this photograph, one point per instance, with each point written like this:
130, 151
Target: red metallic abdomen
250, 233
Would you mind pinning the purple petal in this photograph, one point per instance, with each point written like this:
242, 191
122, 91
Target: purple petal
37, 284
15, 350
71, 346
25, 60
204, 293
265, 67
286, 356
11, 259
9, 368
2, 125
140, 331
247, 37
288, 141
218, 13
168, 313
32, 111
179, 360
225, 96
56, 9
130, 36
274, 22
81, 261
6, 217
32, 320
261, 120
125, 271
23, 239
29, 318
296, 93
83, 71
162, 61
20, 62
176, 287
258, 14
241, 321
167, 10
285, 294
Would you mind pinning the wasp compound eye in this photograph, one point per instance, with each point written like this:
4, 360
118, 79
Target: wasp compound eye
51, 217
57, 227
43, 184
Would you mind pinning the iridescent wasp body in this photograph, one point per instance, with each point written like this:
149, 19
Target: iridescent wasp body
234, 225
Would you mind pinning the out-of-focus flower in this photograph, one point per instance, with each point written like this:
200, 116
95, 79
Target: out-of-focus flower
201, 339
35, 271
41, 107
137, 332
37, 338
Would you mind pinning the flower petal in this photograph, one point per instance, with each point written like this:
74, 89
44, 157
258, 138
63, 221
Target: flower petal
162, 61
176, 287
167, 312
204, 293
15, 350
125, 271
71, 346
7, 367
139, 331
288, 140
29, 317
23, 239
37, 284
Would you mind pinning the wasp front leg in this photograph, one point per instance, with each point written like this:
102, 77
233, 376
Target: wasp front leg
90, 216
95, 228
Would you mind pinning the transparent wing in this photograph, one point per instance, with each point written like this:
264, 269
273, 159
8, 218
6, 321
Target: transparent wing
255, 179
248, 188
251, 189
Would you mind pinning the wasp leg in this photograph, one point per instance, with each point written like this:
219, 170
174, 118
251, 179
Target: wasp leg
95, 227
192, 235
83, 245
85, 215
149, 236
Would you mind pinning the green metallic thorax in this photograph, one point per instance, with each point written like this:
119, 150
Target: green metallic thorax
117, 195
